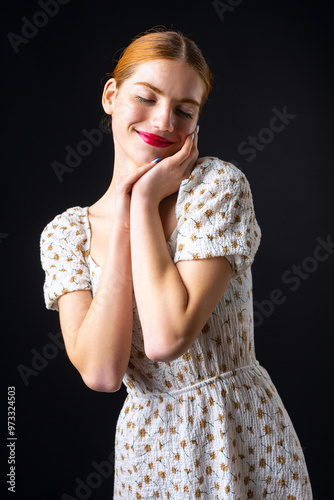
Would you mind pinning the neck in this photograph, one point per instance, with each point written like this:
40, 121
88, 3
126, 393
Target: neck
123, 165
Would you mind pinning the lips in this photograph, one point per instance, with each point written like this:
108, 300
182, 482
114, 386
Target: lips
154, 140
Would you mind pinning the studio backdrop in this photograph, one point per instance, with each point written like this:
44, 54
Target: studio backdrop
269, 113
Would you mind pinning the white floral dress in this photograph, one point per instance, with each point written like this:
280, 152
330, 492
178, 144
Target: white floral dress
209, 424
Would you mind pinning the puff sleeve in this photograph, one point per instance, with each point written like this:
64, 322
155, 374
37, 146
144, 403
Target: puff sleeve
64, 247
216, 216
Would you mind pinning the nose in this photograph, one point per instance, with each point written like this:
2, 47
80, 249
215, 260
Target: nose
162, 118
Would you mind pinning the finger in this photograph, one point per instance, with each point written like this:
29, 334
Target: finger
134, 176
182, 155
125, 183
192, 153
190, 162
192, 141
196, 134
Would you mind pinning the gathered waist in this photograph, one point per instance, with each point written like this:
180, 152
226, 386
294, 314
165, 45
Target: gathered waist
254, 367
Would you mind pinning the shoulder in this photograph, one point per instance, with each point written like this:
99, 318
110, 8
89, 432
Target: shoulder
211, 165
72, 220
64, 248
213, 172
215, 215
71, 227
215, 181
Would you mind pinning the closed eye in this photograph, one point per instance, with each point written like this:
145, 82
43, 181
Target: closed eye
187, 115
142, 99
150, 101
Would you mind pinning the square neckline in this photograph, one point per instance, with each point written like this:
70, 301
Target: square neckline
172, 237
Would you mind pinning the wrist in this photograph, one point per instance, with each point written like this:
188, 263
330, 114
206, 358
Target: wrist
141, 199
119, 234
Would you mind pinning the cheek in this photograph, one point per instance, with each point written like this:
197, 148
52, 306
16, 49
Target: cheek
186, 129
187, 126
128, 112
124, 116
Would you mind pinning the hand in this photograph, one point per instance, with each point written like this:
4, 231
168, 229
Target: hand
165, 178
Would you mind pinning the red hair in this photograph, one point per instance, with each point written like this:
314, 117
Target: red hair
162, 45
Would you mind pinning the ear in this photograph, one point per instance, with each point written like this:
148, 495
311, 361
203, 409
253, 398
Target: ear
108, 96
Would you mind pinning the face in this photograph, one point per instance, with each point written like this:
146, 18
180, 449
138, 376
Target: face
154, 110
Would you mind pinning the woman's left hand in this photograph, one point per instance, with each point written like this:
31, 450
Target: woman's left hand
166, 176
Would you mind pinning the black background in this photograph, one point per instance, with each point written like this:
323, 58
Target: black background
264, 55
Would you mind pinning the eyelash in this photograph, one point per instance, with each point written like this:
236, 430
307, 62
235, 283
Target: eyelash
148, 101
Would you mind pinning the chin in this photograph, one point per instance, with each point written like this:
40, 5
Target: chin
148, 154
142, 158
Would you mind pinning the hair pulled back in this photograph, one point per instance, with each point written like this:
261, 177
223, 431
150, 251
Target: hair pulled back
162, 45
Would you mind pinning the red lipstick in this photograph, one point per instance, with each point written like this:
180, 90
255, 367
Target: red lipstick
154, 140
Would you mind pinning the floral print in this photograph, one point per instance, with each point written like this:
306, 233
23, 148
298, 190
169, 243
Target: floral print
209, 424
64, 252
215, 212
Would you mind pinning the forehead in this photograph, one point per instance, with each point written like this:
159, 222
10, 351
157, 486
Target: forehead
174, 78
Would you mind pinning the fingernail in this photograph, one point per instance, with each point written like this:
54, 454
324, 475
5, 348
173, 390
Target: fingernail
197, 128
192, 135
157, 159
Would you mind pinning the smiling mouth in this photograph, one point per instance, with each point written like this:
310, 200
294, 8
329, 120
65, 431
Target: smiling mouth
154, 140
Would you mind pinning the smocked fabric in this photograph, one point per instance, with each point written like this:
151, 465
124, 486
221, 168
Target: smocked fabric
209, 424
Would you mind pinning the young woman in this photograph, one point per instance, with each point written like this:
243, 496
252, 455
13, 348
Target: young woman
153, 286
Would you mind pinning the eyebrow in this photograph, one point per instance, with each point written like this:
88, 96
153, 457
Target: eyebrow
160, 92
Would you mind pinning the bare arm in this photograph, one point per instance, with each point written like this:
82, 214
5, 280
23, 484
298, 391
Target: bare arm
174, 302
98, 331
